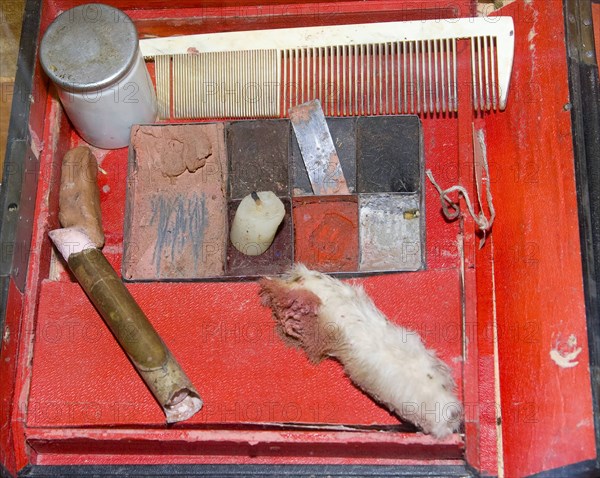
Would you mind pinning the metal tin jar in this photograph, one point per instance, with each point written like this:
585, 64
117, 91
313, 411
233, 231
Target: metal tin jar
91, 52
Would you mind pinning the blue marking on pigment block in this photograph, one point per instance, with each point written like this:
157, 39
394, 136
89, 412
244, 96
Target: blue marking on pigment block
179, 221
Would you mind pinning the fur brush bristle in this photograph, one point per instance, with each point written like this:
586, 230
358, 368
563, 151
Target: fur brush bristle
328, 318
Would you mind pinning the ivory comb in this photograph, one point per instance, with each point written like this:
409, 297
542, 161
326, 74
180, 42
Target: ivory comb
362, 69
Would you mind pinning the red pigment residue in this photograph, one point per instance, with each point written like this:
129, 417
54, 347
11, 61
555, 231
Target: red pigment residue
176, 202
326, 233
296, 313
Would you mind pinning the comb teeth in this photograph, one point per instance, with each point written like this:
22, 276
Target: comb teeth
366, 69
383, 78
237, 84
409, 77
485, 76
163, 82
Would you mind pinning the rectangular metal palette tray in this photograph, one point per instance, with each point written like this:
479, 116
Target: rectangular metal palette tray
185, 182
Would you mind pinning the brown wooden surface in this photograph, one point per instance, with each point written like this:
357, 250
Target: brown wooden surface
11, 15
6, 86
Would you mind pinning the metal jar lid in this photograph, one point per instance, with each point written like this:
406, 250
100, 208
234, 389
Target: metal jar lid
89, 47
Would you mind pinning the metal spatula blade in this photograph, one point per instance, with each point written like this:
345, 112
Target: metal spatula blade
318, 151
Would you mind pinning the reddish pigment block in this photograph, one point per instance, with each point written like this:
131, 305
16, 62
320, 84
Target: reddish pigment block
326, 233
175, 226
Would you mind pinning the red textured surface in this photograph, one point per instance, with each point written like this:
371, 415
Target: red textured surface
226, 342
45, 216
55, 402
326, 233
186, 17
469, 298
80, 378
256, 447
547, 410
8, 369
484, 337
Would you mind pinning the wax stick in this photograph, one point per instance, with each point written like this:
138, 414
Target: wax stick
256, 221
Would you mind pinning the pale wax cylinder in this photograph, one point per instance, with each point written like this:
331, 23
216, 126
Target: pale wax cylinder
255, 223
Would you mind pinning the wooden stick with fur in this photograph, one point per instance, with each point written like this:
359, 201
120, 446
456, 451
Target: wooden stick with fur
328, 318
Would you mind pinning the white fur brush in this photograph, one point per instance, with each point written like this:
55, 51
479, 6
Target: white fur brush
328, 318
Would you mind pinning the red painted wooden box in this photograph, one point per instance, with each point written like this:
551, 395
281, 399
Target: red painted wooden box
509, 317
